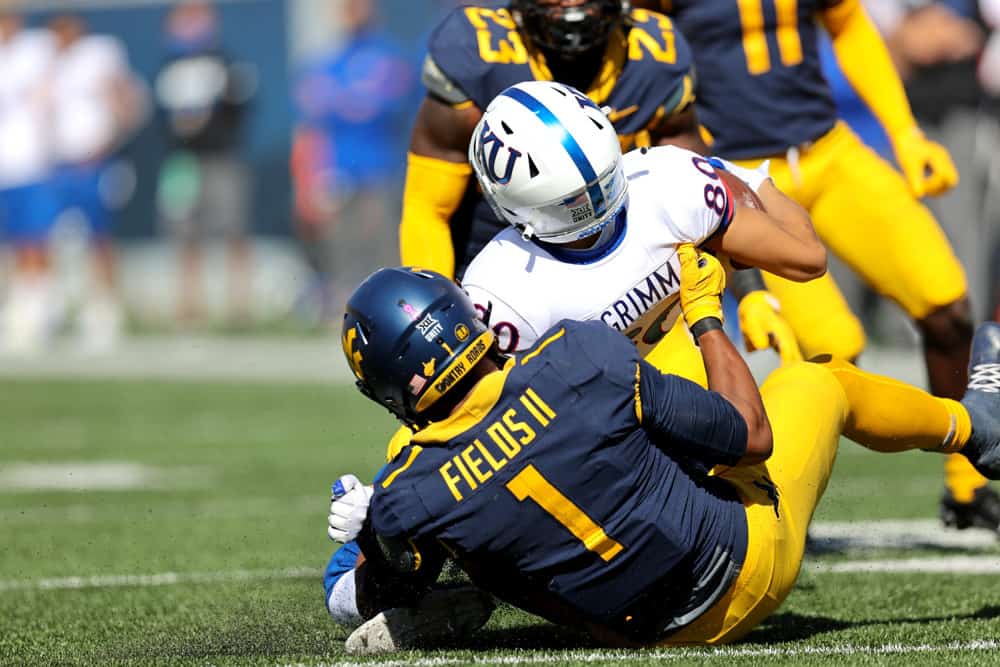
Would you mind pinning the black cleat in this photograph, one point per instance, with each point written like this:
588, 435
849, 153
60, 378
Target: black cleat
982, 512
982, 400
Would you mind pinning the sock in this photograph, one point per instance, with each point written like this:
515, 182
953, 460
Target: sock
887, 415
343, 602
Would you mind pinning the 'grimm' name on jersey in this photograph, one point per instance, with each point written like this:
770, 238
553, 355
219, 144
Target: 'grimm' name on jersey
627, 313
508, 435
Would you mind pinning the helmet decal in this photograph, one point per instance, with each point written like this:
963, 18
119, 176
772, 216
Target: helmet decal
429, 327
353, 356
456, 370
429, 367
488, 136
408, 309
569, 143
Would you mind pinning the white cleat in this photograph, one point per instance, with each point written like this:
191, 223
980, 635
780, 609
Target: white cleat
441, 615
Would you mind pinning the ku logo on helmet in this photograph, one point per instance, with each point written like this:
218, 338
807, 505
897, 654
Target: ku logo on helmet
488, 136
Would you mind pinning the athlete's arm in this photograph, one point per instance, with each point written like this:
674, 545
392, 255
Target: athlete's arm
702, 282
866, 64
780, 239
729, 375
437, 174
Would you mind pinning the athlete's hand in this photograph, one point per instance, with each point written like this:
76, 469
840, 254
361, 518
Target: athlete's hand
926, 165
348, 508
702, 282
763, 326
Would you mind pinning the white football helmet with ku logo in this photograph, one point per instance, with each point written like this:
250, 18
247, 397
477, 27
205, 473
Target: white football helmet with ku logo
549, 161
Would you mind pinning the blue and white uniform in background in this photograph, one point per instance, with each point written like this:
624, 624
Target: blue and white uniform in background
27, 205
84, 125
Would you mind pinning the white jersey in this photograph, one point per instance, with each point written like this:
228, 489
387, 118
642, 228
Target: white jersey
84, 123
25, 63
632, 283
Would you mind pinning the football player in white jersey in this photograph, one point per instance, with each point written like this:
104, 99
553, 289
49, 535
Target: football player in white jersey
95, 106
594, 232
27, 205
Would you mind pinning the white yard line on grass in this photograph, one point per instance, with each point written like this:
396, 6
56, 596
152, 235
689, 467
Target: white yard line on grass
672, 655
930, 565
161, 579
897, 534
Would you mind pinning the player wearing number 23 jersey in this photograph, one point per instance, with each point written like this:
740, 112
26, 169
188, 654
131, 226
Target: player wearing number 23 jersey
632, 62
761, 95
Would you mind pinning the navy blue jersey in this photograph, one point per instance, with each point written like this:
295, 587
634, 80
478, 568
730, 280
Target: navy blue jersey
761, 88
646, 76
569, 470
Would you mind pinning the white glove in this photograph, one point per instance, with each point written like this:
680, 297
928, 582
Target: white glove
348, 508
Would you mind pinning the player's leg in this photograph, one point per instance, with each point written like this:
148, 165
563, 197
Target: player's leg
869, 219
810, 405
807, 408
819, 315
817, 311
677, 354
32, 307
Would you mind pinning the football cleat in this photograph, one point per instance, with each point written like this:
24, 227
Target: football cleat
982, 400
982, 512
442, 615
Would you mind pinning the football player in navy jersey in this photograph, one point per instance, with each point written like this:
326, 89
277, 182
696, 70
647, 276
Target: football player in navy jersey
569, 480
762, 96
632, 62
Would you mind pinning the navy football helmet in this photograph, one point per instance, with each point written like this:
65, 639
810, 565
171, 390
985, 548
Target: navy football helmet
410, 336
569, 31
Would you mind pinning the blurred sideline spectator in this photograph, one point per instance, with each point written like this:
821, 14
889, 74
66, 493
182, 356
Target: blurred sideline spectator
95, 106
935, 46
347, 156
204, 183
27, 204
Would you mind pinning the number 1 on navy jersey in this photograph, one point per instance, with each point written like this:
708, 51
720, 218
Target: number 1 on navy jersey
529, 483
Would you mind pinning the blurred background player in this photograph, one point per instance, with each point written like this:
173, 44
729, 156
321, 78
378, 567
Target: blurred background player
765, 54
204, 187
95, 106
634, 63
937, 47
346, 155
32, 307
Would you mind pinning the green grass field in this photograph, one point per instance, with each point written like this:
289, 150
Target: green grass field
210, 549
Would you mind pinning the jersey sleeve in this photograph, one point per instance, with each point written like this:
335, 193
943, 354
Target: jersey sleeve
456, 67
697, 202
688, 420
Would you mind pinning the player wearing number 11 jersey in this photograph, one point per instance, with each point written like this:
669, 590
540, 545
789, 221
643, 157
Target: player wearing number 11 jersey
762, 95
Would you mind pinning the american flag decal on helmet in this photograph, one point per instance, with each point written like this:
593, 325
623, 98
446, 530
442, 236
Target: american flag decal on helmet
416, 384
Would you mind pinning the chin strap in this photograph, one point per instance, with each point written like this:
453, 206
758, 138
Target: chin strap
527, 231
